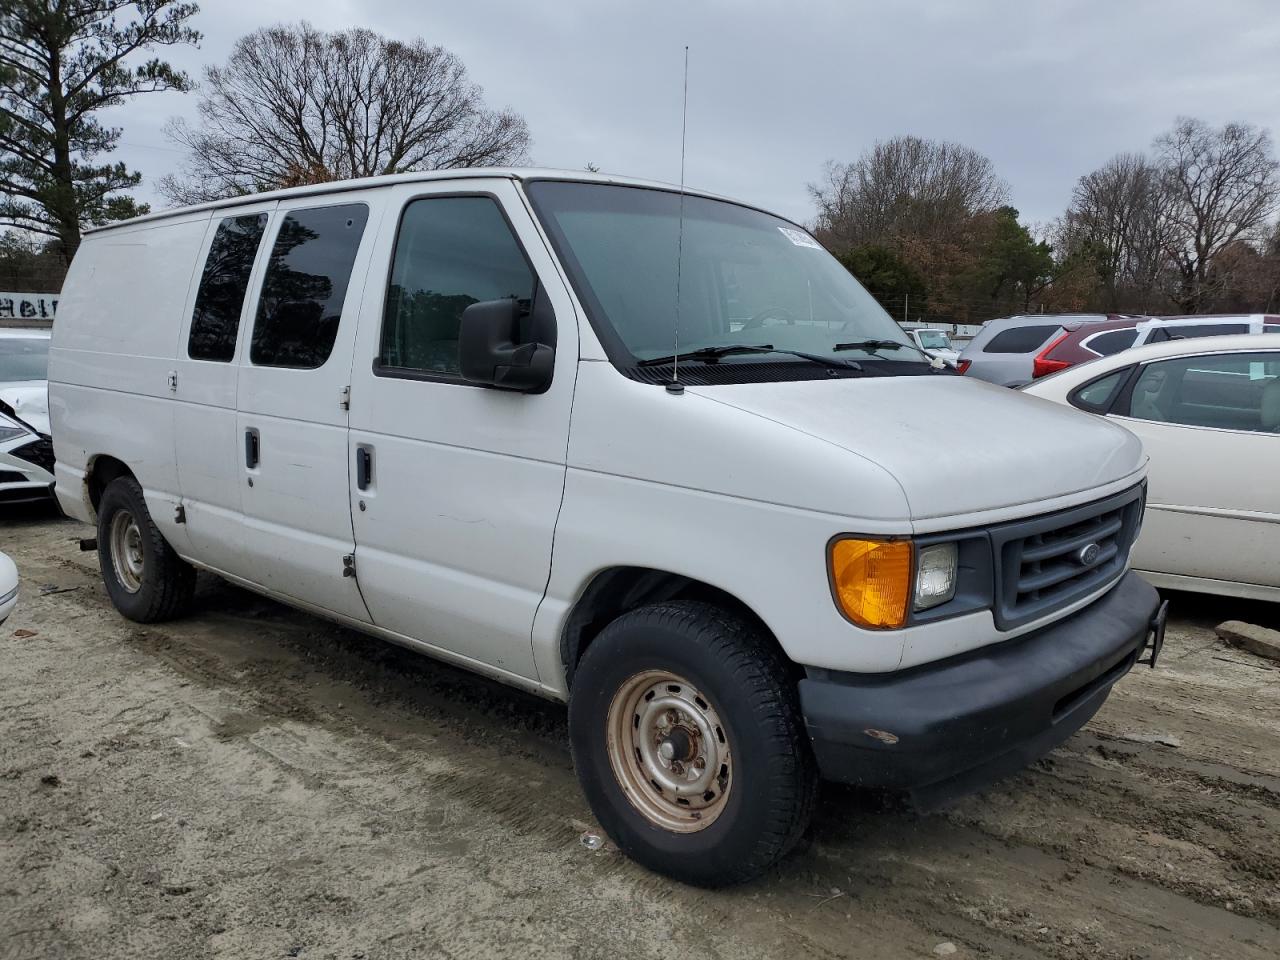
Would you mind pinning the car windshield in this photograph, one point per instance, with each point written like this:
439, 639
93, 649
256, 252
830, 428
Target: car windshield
23, 358
746, 279
934, 339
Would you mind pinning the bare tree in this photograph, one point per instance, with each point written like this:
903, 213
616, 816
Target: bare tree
1120, 214
296, 105
1223, 187
906, 187
62, 63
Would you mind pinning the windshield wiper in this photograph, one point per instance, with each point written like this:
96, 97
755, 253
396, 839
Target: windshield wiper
870, 345
712, 354
708, 353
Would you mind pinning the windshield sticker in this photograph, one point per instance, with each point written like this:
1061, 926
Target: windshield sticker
800, 238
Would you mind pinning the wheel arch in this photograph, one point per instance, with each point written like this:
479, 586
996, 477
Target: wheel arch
616, 590
101, 469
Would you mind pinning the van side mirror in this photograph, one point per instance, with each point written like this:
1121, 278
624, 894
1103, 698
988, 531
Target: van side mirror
489, 352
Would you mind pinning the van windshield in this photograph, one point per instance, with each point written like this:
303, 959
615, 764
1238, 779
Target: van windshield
746, 278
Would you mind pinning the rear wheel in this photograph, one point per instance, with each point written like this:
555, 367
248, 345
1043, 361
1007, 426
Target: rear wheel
688, 740
145, 579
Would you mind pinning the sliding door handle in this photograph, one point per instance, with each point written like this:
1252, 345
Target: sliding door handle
364, 468
251, 444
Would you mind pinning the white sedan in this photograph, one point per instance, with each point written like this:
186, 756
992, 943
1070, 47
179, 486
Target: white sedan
8, 587
26, 453
1208, 413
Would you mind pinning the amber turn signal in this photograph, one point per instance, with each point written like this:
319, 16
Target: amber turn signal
871, 580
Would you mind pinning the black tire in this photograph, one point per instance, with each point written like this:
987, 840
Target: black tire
750, 688
165, 583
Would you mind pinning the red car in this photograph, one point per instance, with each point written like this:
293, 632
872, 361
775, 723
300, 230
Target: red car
1083, 341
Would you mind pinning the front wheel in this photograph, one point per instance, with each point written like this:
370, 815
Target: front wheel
688, 740
146, 580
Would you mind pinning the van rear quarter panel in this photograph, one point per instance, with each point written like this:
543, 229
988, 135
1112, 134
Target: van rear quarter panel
112, 352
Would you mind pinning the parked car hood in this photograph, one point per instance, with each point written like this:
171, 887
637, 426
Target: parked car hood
27, 402
957, 446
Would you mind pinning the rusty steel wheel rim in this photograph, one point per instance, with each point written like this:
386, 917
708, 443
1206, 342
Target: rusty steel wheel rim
127, 557
670, 751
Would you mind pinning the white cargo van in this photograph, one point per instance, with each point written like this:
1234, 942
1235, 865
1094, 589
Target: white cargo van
445, 409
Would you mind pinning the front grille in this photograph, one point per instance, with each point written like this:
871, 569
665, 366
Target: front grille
39, 452
1049, 562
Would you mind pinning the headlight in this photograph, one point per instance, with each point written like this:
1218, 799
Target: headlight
9, 430
935, 575
876, 582
871, 580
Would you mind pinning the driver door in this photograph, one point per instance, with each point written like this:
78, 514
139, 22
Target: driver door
456, 487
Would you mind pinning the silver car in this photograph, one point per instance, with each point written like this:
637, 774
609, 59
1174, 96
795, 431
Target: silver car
1005, 349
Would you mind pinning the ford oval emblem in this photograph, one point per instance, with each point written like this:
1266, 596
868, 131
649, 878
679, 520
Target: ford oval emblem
1087, 555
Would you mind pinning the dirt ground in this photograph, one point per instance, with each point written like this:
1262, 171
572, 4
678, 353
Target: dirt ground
253, 782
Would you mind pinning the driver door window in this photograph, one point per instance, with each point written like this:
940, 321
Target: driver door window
451, 252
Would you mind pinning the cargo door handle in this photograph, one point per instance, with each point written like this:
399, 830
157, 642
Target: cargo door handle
364, 467
251, 448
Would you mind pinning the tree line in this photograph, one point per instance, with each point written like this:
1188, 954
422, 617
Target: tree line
292, 105
1185, 227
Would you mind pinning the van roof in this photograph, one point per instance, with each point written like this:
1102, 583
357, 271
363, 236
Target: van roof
460, 173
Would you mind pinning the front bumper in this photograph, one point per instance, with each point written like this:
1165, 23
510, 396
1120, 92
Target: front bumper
26, 470
948, 727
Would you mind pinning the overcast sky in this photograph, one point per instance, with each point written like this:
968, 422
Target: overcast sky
1049, 90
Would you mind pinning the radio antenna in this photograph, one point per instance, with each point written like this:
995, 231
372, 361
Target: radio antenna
675, 386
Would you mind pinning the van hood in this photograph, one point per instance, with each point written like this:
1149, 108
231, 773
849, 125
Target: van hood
956, 446
28, 403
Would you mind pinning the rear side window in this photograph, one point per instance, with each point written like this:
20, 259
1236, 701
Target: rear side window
215, 321
1096, 396
1105, 344
305, 286
451, 252
1271, 328
1020, 339
1188, 331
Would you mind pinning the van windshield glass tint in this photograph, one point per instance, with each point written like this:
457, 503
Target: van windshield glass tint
225, 280
745, 278
305, 286
23, 358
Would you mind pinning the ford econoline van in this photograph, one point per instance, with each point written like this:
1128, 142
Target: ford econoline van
647, 451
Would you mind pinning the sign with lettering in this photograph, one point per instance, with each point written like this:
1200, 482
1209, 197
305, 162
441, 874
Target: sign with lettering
28, 306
